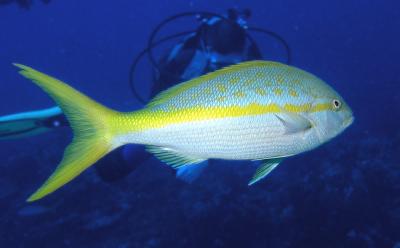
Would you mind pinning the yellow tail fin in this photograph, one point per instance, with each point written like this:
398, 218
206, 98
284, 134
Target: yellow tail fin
91, 124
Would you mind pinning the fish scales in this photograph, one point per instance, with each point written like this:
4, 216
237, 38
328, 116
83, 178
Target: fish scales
195, 121
254, 82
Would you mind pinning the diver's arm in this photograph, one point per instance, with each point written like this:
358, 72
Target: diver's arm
31, 123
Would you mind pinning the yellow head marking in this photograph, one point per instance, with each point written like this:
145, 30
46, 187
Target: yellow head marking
221, 88
278, 91
196, 95
321, 107
260, 91
248, 81
239, 94
296, 81
268, 83
221, 98
207, 91
172, 108
297, 108
182, 87
233, 80
279, 78
259, 74
293, 93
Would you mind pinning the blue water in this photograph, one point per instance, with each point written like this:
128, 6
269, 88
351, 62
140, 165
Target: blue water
344, 194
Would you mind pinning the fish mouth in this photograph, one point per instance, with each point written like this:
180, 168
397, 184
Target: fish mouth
348, 121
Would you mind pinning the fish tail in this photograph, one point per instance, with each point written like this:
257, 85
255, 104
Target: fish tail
93, 125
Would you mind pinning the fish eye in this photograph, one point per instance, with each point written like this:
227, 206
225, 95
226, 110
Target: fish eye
336, 104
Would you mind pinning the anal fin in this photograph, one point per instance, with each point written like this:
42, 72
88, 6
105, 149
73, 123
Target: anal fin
190, 173
265, 168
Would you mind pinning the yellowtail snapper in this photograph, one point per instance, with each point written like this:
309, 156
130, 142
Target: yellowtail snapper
258, 110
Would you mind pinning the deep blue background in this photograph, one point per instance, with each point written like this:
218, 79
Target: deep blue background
345, 194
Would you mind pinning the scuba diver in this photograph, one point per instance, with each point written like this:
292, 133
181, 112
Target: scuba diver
207, 48
24, 4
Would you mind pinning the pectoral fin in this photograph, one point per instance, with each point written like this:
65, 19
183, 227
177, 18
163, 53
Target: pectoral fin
265, 168
293, 123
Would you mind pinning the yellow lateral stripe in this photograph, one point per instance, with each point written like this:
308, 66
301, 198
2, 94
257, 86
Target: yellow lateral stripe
150, 119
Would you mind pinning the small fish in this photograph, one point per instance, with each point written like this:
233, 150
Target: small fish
32, 210
258, 110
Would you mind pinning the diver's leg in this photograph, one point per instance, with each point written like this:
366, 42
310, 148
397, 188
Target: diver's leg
121, 162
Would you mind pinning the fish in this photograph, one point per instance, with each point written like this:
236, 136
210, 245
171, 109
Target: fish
32, 210
259, 111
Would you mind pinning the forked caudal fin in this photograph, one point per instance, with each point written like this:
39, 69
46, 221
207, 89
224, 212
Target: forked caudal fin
92, 124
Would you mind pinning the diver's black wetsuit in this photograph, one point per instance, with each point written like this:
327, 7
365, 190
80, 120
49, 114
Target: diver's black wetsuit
216, 43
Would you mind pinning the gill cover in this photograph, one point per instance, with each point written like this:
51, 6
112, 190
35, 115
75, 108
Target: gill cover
91, 123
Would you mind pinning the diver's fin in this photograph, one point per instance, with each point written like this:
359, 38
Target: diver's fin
18, 128
190, 173
26, 123
36, 114
265, 168
173, 158
90, 121
293, 122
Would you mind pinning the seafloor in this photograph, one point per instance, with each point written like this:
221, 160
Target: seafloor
343, 195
